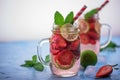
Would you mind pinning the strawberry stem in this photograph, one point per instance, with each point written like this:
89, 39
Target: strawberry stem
116, 68
114, 65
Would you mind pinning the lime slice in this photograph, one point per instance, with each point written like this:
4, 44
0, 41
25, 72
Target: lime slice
97, 26
69, 32
83, 26
88, 57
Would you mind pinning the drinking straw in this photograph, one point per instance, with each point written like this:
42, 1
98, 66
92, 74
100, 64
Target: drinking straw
80, 12
103, 5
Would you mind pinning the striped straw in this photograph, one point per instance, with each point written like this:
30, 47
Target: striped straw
80, 12
103, 5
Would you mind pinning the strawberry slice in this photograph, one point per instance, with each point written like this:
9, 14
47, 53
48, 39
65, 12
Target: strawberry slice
104, 71
84, 38
53, 50
92, 41
75, 44
93, 35
92, 26
65, 59
91, 20
58, 41
77, 54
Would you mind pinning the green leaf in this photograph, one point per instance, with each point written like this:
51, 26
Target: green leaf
47, 59
89, 14
58, 19
34, 58
25, 65
38, 67
69, 18
111, 45
33, 63
28, 63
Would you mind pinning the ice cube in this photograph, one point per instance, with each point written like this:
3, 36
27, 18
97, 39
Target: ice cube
102, 60
90, 72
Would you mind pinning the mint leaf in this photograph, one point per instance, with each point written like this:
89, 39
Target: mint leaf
47, 59
28, 63
69, 18
39, 67
34, 58
89, 14
25, 65
111, 45
33, 63
58, 19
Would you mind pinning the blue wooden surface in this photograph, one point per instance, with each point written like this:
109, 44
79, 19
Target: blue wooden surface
13, 54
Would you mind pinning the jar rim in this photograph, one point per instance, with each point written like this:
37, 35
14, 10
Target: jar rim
72, 32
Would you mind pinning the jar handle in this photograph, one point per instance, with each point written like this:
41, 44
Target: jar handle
109, 35
41, 50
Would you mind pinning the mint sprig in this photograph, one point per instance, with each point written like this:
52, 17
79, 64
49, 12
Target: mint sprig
47, 59
110, 46
39, 67
90, 14
28, 63
34, 58
59, 19
69, 18
33, 63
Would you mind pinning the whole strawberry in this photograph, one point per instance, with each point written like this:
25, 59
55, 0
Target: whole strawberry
105, 71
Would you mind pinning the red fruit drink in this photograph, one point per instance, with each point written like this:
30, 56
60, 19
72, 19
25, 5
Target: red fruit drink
90, 34
90, 30
65, 51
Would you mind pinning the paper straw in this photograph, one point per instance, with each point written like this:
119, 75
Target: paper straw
80, 12
103, 5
